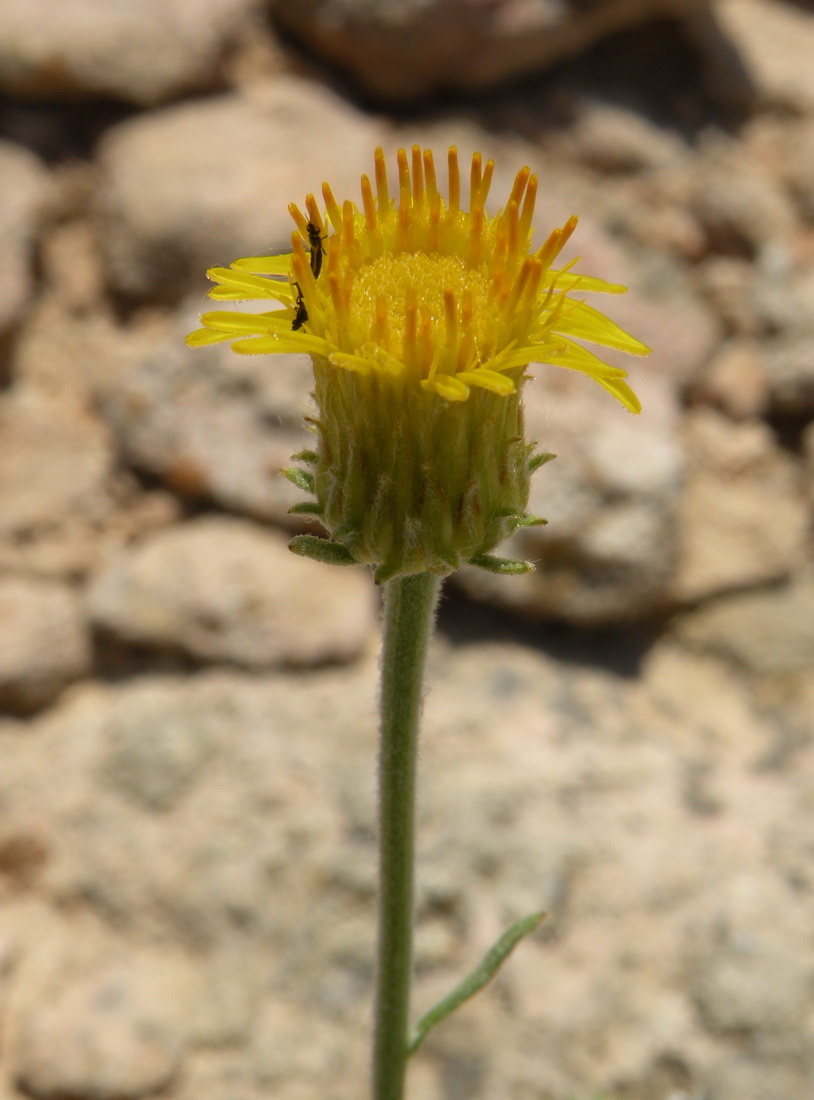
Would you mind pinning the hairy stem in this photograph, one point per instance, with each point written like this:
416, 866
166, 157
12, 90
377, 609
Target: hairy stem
409, 613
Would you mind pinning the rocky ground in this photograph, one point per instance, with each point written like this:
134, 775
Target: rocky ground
624, 738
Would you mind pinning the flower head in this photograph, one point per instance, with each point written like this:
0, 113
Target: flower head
420, 317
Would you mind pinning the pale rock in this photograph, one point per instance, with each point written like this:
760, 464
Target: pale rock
225, 1075
158, 746
727, 283
72, 266
222, 589
543, 784
54, 462
768, 632
70, 351
145, 53
613, 139
663, 310
610, 497
783, 291
218, 859
738, 205
276, 1058
750, 1077
735, 381
44, 641
223, 997
207, 182
752, 987
744, 519
212, 424
109, 1032
24, 185
776, 43
401, 50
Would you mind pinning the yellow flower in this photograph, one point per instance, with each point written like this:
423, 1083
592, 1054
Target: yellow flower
420, 318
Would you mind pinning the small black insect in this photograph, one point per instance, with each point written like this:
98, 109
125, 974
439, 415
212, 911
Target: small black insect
315, 241
301, 316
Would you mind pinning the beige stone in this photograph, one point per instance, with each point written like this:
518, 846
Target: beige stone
744, 518
222, 589
44, 641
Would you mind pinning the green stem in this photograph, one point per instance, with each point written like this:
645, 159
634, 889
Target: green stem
409, 612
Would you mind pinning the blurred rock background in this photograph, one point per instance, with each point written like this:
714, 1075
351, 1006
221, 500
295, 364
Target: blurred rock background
187, 742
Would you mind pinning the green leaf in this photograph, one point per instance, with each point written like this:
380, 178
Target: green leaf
331, 553
310, 458
301, 478
475, 980
538, 460
306, 508
505, 567
531, 521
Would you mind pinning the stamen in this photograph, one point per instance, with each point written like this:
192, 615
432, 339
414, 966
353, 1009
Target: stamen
382, 185
454, 181
300, 220
556, 242
528, 208
519, 186
528, 303
486, 182
429, 176
314, 215
349, 241
418, 178
519, 286
404, 179
340, 309
511, 219
371, 222
332, 207
474, 181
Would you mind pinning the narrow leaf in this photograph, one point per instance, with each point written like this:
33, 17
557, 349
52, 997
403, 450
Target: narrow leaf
506, 567
331, 553
475, 980
311, 458
538, 460
301, 478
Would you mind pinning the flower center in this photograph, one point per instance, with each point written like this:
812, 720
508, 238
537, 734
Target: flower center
395, 280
